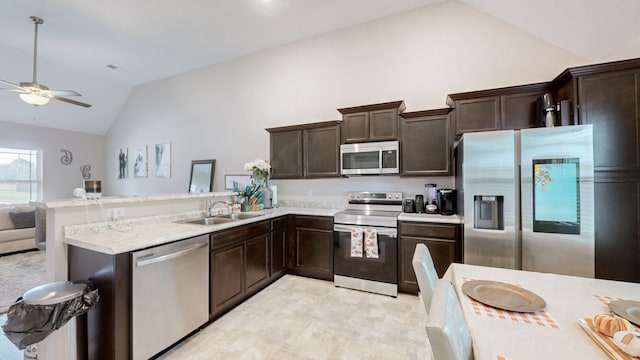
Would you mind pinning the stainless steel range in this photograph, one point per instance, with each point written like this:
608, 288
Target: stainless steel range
368, 265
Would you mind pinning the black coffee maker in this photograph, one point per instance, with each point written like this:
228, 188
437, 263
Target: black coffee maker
447, 201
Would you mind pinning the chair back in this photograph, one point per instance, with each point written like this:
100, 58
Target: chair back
426, 274
447, 331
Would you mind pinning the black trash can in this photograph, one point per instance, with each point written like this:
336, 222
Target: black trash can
46, 308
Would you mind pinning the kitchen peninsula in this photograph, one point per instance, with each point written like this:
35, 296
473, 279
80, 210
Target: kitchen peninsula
76, 228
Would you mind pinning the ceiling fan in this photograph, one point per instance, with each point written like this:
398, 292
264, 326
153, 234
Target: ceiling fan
38, 94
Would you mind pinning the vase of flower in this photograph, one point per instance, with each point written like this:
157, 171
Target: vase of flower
260, 170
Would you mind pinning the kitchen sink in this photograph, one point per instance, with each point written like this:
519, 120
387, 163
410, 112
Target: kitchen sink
238, 216
210, 221
222, 219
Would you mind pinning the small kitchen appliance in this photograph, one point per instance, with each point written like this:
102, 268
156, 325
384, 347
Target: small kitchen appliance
419, 203
431, 199
409, 206
447, 201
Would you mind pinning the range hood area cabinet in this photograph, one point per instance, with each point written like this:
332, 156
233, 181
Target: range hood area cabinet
425, 146
508, 108
305, 151
368, 123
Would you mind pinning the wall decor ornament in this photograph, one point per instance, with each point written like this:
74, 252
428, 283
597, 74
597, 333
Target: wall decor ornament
85, 170
123, 163
140, 166
67, 158
163, 160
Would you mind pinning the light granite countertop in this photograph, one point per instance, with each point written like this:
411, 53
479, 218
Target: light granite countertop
120, 236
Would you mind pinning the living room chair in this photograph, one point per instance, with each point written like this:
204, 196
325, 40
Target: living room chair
447, 330
426, 274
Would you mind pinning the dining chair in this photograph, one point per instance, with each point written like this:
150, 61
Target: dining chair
447, 331
426, 274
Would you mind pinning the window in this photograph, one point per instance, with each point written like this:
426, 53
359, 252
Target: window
20, 175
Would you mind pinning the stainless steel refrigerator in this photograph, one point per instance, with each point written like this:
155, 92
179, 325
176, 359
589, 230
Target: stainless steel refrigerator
528, 199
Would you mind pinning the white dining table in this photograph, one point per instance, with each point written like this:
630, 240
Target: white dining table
552, 333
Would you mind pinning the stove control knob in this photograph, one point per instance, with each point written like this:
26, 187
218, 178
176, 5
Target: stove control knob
358, 195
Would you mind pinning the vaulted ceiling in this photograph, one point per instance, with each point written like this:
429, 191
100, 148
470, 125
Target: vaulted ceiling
104, 49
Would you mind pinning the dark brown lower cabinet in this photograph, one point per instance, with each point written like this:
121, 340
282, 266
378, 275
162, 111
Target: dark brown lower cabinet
278, 244
239, 265
227, 277
311, 247
442, 240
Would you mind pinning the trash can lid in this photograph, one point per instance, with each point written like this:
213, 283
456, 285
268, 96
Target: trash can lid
53, 293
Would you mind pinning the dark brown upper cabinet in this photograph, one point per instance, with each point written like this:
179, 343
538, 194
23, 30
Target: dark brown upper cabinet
377, 122
497, 109
425, 143
305, 151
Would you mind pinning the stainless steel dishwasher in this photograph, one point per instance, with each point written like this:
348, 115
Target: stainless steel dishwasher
170, 294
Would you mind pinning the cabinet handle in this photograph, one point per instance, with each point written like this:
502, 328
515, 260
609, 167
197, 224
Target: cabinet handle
152, 260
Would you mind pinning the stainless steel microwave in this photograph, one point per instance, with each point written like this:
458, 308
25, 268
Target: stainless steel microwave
370, 158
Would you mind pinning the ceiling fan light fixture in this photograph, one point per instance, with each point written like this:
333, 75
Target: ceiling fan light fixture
33, 99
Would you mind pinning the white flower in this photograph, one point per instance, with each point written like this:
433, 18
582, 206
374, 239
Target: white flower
259, 168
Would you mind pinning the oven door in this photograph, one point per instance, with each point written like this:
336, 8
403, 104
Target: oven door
383, 269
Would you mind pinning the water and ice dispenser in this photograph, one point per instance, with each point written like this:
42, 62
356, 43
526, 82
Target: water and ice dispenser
488, 212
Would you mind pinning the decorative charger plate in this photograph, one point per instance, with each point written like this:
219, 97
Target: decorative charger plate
503, 296
627, 309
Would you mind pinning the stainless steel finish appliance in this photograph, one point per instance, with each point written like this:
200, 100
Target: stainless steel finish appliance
431, 199
378, 211
370, 158
528, 199
170, 294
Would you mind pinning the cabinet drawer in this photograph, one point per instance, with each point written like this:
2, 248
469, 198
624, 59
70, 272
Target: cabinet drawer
230, 236
430, 230
315, 222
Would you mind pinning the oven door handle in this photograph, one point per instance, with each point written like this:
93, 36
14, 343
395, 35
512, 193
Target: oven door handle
379, 230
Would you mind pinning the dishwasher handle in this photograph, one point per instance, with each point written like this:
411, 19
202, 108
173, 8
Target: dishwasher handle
144, 261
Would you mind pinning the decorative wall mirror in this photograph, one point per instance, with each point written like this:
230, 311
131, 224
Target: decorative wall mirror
202, 172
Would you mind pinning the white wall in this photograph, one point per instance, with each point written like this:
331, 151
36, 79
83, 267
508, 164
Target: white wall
221, 111
59, 179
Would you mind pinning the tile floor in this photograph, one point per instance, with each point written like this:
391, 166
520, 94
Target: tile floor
302, 318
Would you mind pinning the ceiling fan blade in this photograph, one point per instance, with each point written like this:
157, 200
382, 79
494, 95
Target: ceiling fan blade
14, 85
64, 92
59, 98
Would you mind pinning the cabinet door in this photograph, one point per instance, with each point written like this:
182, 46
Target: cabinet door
519, 110
610, 102
383, 125
257, 265
227, 277
285, 149
616, 229
313, 247
355, 127
425, 146
278, 252
480, 114
443, 253
322, 152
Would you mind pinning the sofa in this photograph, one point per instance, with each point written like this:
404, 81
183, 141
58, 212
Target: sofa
17, 228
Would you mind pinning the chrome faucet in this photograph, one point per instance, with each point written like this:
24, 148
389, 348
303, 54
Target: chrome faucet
210, 204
